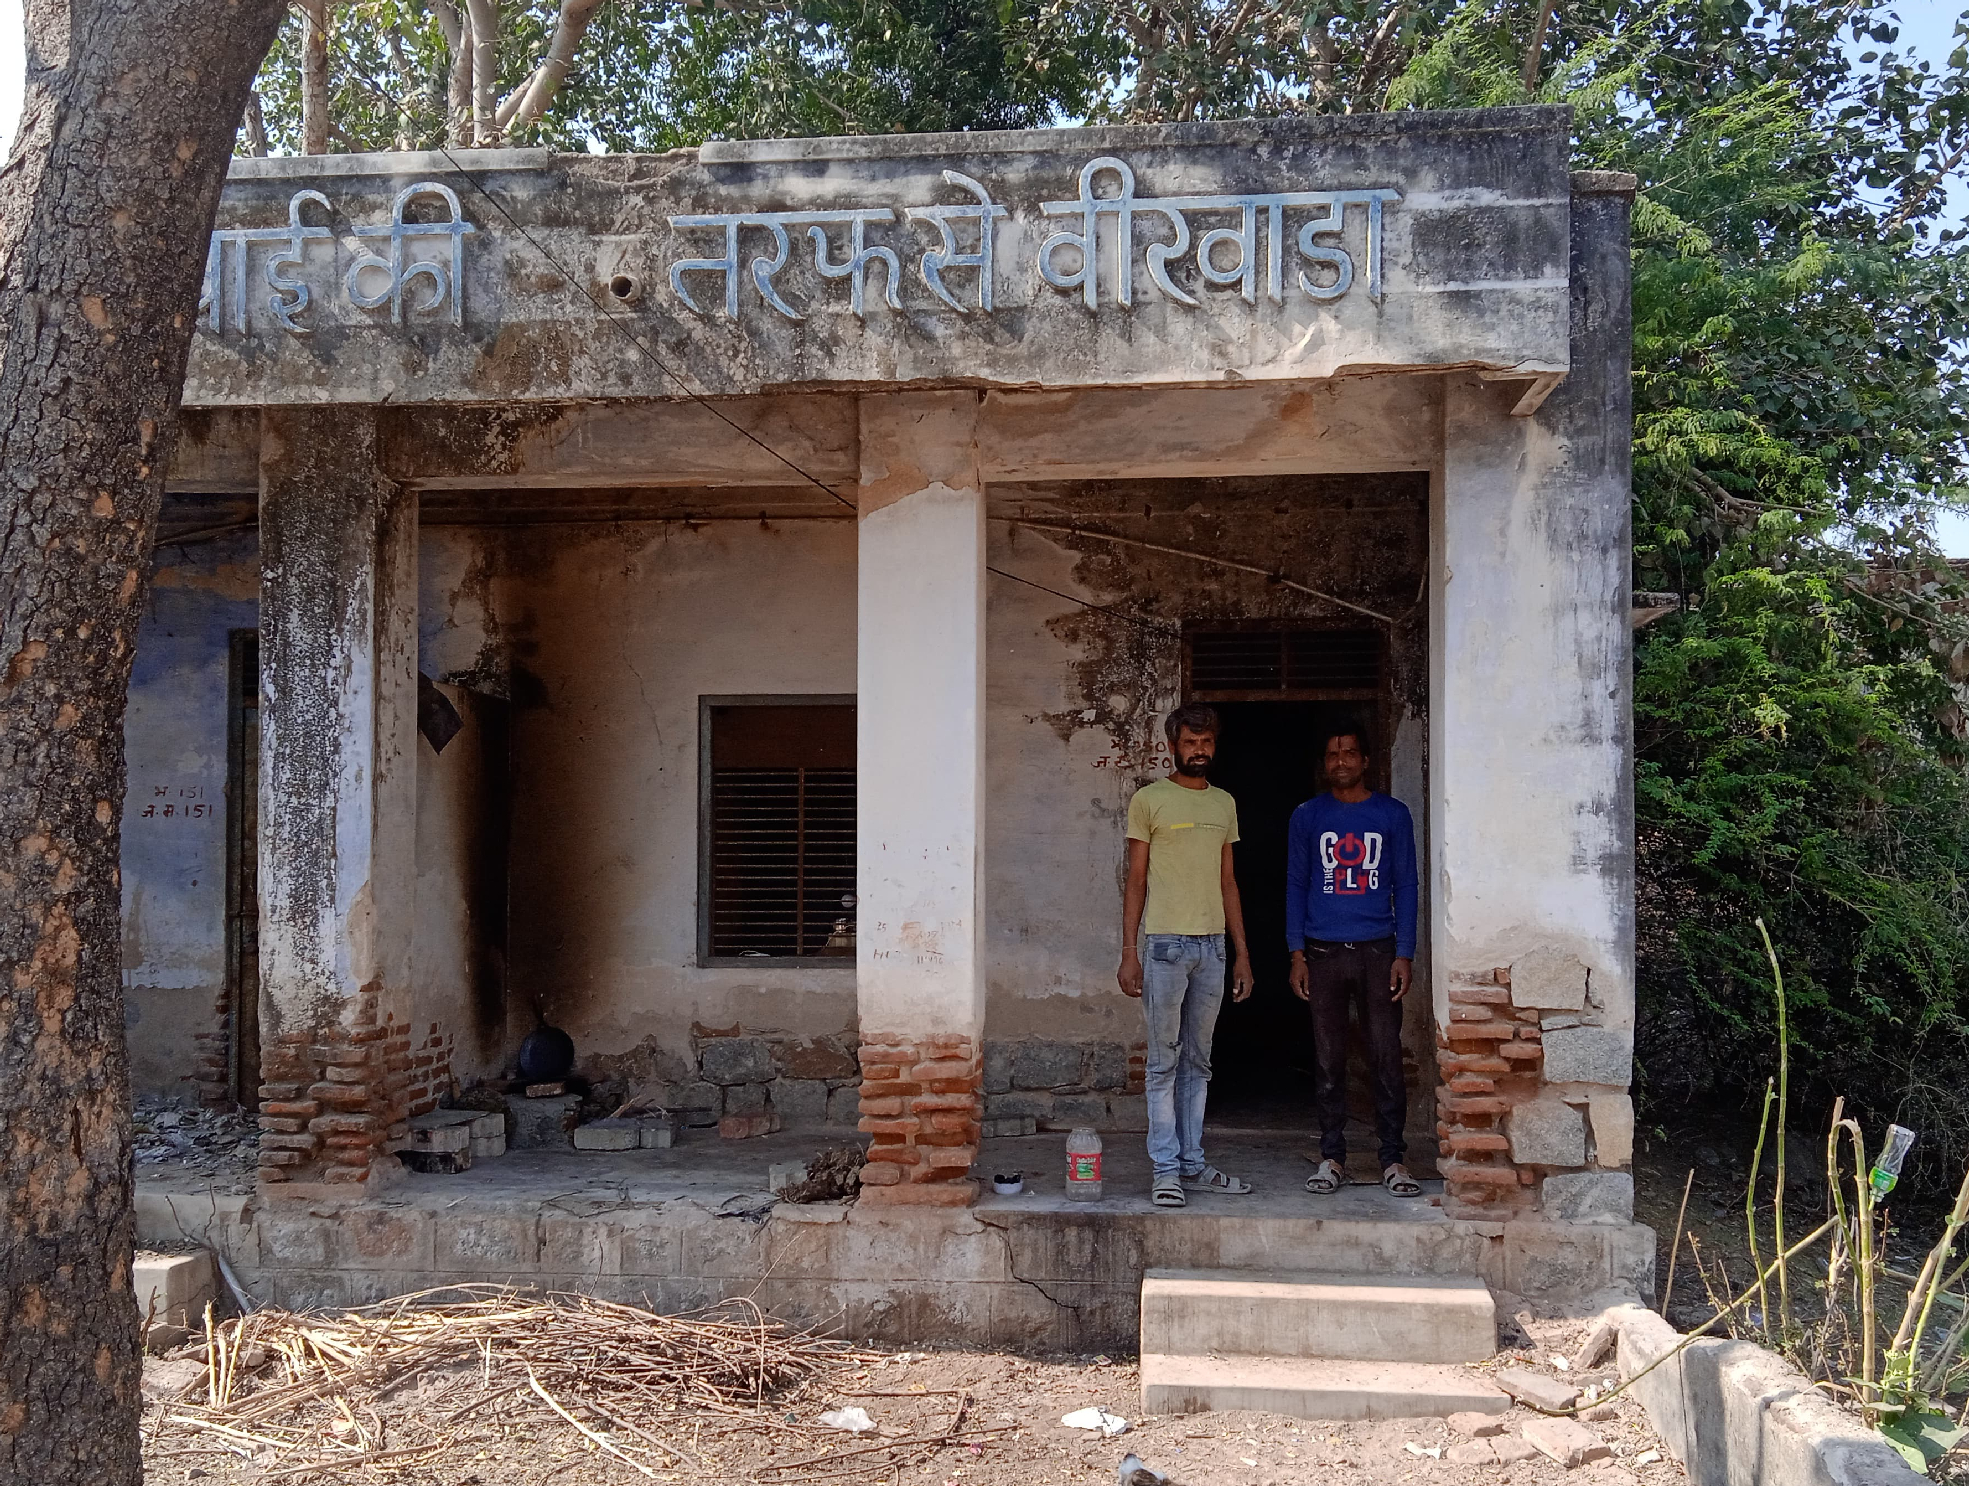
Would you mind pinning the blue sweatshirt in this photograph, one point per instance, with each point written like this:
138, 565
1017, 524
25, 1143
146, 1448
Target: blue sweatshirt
1350, 873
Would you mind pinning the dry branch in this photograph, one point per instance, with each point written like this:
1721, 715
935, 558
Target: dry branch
331, 1398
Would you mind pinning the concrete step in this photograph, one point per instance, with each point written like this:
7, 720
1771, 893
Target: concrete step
1314, 1389
1360, 1318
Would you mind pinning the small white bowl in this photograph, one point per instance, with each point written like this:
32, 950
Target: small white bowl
1009, 1189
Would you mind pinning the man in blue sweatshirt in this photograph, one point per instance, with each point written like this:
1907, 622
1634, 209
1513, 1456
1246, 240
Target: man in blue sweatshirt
1350, 924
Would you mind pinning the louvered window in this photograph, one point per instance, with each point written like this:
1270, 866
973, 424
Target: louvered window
1233, 665
781, 827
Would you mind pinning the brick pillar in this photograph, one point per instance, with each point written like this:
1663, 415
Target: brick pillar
338, 696
920, 757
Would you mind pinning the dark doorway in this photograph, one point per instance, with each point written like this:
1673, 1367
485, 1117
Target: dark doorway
242, 869
1269, 759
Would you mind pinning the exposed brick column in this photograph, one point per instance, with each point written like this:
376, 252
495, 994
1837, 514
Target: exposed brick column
1489, 1056
920, 754
921, 1102
338, 695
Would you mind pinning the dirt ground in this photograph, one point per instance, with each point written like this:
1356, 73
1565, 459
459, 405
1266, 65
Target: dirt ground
1008, 1434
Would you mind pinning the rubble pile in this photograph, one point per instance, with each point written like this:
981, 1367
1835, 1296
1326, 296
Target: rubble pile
220, 1145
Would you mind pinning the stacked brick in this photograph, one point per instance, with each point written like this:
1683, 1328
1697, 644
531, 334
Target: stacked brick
1534, 1112
333, 1101
922, 1101
430, 1071
210, 1073
1490, 1055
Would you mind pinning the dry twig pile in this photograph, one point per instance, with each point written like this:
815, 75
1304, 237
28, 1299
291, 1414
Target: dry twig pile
430, 1375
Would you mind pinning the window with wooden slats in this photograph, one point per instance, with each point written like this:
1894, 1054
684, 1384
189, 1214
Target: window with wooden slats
781, 849
1253, 664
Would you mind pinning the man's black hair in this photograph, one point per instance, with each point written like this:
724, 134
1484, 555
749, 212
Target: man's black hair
1193, 715
1348, 727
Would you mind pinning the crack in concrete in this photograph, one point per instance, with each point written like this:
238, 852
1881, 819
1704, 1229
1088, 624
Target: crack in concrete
1005, 1237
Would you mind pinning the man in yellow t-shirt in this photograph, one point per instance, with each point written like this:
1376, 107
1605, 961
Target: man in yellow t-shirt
1181, 898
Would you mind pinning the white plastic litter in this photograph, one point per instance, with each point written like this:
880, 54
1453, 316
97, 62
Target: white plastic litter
1561, 1363
854, 1420
1434, 1452
1647, 1457
1097, 1417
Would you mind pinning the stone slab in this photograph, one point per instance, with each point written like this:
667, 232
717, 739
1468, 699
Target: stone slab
1428, 1319
172, 1288
541, 1124
438, 1135
1547, 978
1571, 1444
1546, 1132
1588, 1055
608, 1135
488, 1148
1589, 1197
1313, 1389
1536, 1389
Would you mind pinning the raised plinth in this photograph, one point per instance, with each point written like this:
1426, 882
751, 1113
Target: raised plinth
1364, 1318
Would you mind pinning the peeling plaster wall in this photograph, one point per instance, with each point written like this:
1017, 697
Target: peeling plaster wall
174, 864
615, 632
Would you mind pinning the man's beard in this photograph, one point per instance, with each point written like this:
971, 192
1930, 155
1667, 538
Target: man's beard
1193, 768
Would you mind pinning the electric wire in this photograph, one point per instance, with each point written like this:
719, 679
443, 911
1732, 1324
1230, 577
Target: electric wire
1222, 562
1145, 623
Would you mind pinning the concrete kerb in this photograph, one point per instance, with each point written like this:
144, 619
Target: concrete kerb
1735, 1414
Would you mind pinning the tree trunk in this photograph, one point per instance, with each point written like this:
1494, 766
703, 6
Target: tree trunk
315, 105
105, 207
485, 71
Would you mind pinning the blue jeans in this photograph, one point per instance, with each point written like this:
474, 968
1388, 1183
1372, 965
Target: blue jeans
1182, 990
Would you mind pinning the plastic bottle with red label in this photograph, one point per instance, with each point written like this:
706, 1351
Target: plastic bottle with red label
1084, 1166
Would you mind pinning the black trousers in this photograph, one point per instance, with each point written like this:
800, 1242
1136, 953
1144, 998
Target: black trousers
1355, 976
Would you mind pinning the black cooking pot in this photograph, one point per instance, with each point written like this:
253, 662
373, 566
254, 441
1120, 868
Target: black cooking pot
546, 1055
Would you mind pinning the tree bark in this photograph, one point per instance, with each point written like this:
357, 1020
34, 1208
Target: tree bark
485, 71
457, 31
316, 109
105, 207
1535, 51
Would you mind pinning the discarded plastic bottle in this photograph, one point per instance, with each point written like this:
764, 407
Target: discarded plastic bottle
1887, 1170
1084, 1166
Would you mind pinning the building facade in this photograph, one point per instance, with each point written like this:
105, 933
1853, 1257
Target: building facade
720, 604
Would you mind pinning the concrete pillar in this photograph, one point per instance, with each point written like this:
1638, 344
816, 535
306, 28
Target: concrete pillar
1531, 765
338, 801
920, 832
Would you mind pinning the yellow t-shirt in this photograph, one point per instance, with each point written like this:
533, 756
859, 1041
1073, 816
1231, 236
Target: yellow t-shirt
1186, 830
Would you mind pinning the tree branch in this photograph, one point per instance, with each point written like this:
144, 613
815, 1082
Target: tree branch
458, 85
531, 101
485, 71
255, 125
314, 77
1535, 53
1375, 59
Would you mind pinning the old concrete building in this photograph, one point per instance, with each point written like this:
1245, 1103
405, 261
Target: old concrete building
794, 547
